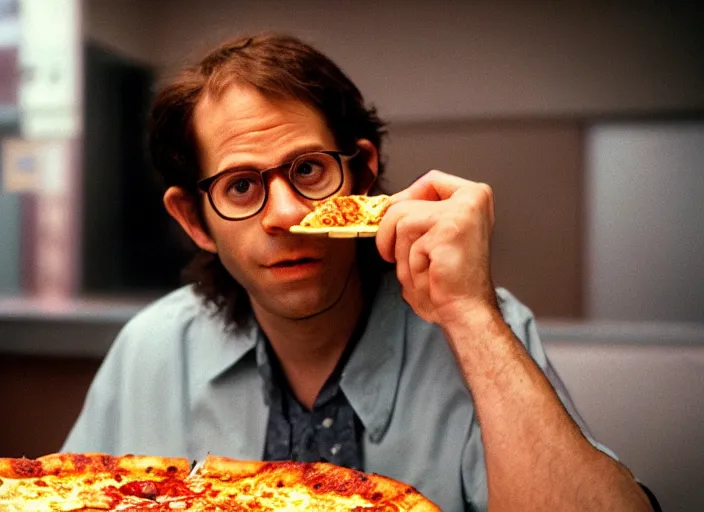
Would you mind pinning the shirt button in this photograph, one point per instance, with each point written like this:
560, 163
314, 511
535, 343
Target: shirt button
327, 422
336, 448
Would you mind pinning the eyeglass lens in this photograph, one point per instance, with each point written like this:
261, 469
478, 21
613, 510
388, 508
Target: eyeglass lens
242, 193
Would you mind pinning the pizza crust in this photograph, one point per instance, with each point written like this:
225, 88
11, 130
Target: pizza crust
337, 231
218, 467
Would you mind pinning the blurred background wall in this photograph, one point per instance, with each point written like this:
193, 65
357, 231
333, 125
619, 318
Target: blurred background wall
510, 93
587, 119
453, 59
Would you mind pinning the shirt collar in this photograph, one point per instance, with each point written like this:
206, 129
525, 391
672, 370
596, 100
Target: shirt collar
370, 379
266, 370
216, 347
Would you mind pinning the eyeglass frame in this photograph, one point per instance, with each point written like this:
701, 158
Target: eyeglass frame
206, 184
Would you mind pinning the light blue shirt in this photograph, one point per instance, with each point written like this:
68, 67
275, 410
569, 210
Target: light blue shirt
176, 382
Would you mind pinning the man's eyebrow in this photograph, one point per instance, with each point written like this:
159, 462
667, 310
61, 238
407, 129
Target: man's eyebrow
295, 153
288, 157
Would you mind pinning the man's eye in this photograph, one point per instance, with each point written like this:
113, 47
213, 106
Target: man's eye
304, 169
309, 168
240, 185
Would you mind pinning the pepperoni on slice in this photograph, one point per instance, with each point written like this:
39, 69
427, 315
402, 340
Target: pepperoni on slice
146, 489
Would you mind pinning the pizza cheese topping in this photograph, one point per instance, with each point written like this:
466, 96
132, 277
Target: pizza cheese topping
347, 211
72, 482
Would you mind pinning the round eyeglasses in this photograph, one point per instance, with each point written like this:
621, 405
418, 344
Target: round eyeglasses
239, 194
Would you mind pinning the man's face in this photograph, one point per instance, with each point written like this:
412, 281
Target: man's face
285, 275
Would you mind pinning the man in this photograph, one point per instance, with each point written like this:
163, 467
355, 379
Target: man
296, 347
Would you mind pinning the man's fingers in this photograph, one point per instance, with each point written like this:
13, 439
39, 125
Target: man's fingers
402, 220
432, 186
403, 271
438, 232
417, 294
386, 240
419, 265
408, 230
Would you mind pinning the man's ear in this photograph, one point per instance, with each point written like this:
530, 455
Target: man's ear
181, 207
368, 167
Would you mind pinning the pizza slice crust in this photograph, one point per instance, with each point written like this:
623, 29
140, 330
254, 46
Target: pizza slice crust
337, 231
72, 464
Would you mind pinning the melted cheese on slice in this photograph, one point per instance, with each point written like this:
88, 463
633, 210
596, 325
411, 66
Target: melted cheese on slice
347, 211
252, 493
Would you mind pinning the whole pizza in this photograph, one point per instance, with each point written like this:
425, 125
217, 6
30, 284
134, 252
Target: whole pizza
96, 481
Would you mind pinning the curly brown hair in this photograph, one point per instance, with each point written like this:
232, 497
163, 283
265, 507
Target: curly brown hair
282, 67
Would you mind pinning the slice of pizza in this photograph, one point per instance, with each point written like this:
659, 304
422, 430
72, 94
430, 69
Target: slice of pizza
345, 216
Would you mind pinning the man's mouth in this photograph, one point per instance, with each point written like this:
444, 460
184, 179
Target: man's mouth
293, 263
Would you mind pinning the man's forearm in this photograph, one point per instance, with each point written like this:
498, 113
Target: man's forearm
536, 456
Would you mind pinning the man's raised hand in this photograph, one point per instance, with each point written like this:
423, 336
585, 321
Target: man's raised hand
438, 231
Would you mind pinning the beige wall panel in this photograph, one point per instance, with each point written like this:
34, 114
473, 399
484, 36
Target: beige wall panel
535, 169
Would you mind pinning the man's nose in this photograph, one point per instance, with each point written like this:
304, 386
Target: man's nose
284, 207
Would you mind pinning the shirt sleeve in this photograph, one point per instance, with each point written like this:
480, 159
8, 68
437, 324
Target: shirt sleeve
141, 383
136, 387
96, 429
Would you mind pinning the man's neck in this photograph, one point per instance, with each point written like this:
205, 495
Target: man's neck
308, 350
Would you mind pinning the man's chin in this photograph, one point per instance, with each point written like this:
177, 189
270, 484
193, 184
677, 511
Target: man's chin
300, 308
304, 304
